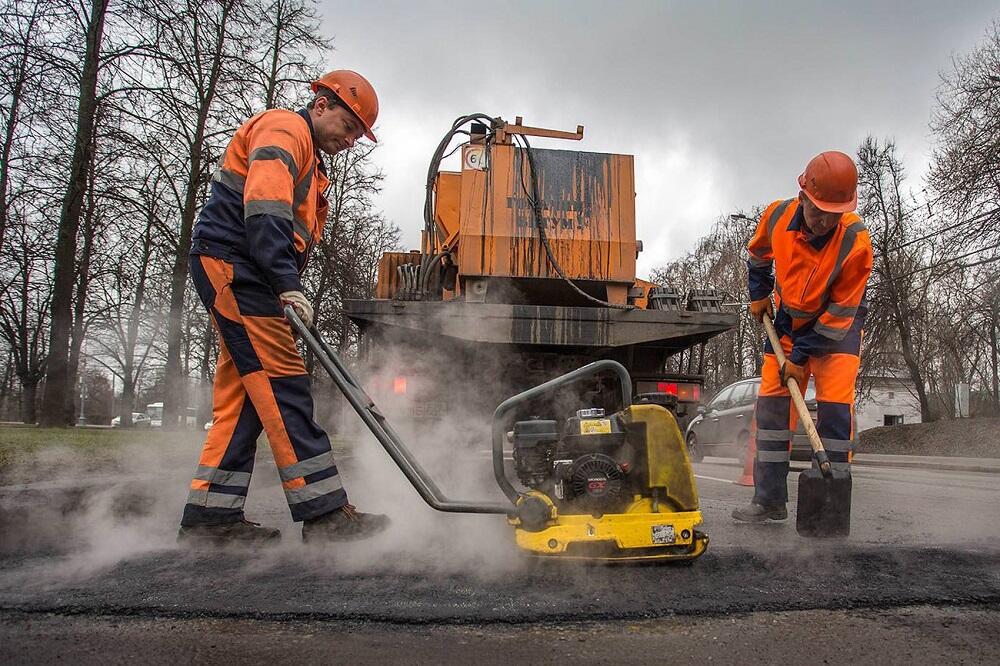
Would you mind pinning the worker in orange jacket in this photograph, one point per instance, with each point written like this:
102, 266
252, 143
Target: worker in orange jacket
266, 211
815, 254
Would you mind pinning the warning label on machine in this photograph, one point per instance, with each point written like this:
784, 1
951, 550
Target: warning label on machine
595, 426
663, 533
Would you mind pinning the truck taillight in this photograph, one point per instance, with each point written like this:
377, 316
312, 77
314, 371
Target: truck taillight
399, 385
670, 388
685, 391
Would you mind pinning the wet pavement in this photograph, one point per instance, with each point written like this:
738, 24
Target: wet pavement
102, 547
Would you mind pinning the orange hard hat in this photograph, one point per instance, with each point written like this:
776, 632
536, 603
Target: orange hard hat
831, 182
355, 92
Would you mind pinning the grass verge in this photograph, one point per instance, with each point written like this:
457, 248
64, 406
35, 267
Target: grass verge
18, 445
97, 447
971, 438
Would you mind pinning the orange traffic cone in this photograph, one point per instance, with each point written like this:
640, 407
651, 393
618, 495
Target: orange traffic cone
747, 477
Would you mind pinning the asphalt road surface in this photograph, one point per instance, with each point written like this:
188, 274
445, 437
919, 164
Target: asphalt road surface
89, 571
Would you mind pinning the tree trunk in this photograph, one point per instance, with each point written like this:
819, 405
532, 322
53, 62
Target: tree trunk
906, 348
82, 284
128, 404
57, 406
995, 361
29, 393
175, 401
271, 88
129, 375
5, 384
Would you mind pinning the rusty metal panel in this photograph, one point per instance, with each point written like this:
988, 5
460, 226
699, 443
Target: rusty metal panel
447, 197
641, 299
588, 208
387, 282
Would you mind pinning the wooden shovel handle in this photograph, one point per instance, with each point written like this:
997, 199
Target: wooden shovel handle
800, 404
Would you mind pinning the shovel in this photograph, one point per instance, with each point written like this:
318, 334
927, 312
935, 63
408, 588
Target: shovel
824, 508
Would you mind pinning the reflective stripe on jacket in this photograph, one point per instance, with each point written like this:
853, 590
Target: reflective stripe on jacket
819, 287
266, 204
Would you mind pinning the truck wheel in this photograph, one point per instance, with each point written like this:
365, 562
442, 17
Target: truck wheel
694, 451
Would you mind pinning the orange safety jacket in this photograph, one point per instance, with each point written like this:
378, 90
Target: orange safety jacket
820, 282
267, 203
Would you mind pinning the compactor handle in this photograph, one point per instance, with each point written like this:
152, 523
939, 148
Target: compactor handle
800, 404
380, 428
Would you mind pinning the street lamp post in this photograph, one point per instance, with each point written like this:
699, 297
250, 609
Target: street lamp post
82, 419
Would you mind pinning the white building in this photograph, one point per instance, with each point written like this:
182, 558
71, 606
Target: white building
891, 400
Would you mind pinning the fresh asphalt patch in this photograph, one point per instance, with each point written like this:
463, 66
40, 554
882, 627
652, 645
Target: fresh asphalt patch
95, 549
836, 576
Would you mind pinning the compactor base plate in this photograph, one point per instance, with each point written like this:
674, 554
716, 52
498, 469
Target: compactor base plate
618, 537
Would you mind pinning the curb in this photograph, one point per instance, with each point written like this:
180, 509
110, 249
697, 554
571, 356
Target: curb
944, 467
906, 464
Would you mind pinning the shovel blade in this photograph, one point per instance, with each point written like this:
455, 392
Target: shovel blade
824, 508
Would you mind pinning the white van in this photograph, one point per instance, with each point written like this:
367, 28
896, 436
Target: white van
154, 411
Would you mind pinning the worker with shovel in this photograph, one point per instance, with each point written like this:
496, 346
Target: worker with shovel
266, 211
814, 252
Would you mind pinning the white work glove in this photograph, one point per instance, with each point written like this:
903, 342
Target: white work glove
302, 308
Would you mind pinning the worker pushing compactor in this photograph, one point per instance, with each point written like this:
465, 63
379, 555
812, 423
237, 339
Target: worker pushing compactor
815, 253
251, 242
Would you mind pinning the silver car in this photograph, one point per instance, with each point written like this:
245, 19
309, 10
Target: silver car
722, 427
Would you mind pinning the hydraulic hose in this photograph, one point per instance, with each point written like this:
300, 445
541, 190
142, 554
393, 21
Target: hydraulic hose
430, 229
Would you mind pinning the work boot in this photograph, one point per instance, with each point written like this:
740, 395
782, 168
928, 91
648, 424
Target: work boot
242, 531
760, 513
344, 524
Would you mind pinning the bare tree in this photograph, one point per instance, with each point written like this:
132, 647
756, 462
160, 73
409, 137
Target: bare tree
159, 89
966, 123
965, 174
718, 262
216, 82
290, 49
126, 324
56, 400
354, 239
899, 290
19, 38
199, 51
7, 390
23, 309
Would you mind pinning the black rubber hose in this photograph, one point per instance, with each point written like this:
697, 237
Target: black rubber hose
425, 285
432, 170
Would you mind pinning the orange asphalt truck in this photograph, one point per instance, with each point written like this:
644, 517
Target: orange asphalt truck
526, 270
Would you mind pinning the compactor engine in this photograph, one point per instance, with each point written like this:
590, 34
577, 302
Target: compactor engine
585, 464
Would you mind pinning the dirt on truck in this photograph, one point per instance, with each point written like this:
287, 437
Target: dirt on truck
527, 269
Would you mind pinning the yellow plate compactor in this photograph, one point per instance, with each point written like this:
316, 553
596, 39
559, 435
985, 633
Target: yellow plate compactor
595, 486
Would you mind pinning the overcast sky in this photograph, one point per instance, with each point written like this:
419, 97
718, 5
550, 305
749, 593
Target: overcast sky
722, 103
